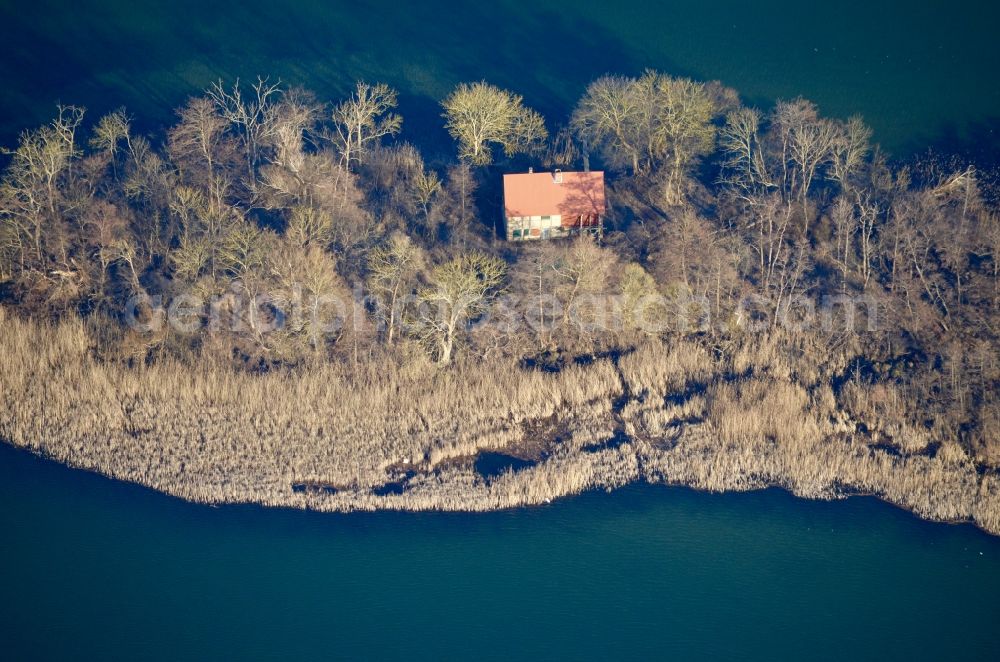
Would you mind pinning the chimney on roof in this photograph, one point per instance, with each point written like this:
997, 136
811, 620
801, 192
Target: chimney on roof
557, 176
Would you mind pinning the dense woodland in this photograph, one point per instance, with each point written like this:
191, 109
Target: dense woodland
755, 232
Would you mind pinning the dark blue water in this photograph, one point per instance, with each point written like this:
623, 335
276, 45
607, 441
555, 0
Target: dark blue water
920, 72
90, 568
93, 569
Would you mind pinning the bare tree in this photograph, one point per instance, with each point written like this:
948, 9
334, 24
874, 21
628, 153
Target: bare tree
990, 239
562, 151
111, 130
849, 149
363, 119
426, 185
11, 249
684, 130
647, 122
309, 226
104, 225
912, 228
197, 144
606, 118
806, 142
293, 117
460, 290
766, 225
243, 256
123, 251
309, 287
252, 114
31, 188
844, 228
149, 178
854, 230
683, 253
458, 201
745, 168
868, 215
788, 279
534, 279
392, 268
583, 270
639, 291
480, 115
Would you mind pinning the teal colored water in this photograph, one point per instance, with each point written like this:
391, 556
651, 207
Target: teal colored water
94, 569
920, 72
90, 568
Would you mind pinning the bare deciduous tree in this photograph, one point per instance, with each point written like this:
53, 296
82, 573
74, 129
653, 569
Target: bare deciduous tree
426, 185
307, 283
583, 270
363, 119
806, 142
605, 118
745, 168
534, 279
392, 268
868, 216
480, 115
684, 129
682, 252
641, 309
109, 133
293, 117
849, 149
252, 114
766, 225
460, 290
197, 144
648, 122
31, 188
308, 226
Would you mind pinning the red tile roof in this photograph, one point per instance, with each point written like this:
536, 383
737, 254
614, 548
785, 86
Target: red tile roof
538, 194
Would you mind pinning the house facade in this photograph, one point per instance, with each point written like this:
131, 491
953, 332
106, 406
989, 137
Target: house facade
544, 205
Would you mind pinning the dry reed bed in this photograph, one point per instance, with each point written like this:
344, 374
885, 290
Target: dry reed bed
212, 435
216, 435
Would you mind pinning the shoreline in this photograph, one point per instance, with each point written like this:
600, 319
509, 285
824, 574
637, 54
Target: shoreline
389, 440
403, 507
338, 327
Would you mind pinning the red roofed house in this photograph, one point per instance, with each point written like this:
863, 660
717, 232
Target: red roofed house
540, 205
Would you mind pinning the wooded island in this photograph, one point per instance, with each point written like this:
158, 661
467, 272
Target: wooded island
280, 301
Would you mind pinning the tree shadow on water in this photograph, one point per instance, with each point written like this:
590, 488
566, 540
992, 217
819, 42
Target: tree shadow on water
972, 143
150, 60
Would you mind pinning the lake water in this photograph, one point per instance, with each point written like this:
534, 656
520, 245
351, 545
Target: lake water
920, 72
94, 569
90, 568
